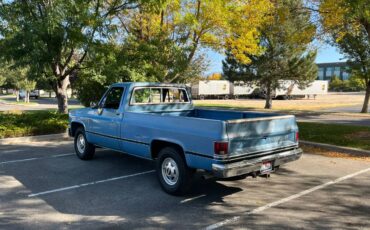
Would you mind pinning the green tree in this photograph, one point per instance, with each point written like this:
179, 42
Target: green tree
163, 44
27, 86
16, 77
348, 24
2, 74
286, 53
54, 37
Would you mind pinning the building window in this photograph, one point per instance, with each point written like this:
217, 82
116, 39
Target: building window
345, 75
337, 71
321, 73
329, 72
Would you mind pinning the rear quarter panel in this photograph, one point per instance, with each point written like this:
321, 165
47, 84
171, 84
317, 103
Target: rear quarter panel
195, 136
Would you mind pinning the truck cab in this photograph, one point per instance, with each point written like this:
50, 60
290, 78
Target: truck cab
157, 121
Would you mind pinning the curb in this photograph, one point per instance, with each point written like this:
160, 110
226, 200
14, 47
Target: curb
340, 149
51, 137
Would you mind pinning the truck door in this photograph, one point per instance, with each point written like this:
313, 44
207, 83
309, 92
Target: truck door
105, 123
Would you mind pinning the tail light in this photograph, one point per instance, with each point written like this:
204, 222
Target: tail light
221, 147
296, 136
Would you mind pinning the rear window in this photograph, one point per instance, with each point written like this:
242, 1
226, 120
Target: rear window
158, 95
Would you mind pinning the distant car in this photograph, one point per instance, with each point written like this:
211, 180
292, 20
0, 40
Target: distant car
33, 93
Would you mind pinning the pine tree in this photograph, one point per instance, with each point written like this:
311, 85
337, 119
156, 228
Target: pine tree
286, 56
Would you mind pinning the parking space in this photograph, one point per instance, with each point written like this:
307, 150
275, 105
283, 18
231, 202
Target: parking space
55, 188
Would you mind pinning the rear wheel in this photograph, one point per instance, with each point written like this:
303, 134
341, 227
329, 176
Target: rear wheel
173, 174
84, 150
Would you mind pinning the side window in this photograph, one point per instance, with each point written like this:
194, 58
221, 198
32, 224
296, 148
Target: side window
112, 99
141, 96
146, 96
174, 95
158, 96
155, 95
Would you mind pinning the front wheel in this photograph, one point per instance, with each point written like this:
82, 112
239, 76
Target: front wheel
173, 174
84, 150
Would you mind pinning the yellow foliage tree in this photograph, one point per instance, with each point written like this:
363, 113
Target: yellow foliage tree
348, 23
195, 24
215, 76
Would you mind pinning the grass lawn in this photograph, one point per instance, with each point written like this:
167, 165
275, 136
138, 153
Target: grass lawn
330, 100
341, 135
32, 123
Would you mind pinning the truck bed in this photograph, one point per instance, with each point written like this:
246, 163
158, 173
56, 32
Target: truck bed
221, 115
250, 133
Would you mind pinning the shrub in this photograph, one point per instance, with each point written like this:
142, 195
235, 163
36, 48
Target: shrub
351, 85
32, 123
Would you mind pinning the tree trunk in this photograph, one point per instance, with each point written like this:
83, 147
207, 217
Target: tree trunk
366, 100
17, 95
61, 92
27, 96
268, 103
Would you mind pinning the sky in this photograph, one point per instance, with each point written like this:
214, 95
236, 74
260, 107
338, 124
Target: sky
326, 53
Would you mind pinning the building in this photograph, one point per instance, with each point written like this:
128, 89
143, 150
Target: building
328, 70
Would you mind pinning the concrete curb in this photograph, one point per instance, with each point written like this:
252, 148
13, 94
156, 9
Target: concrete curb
51, 137
335, 148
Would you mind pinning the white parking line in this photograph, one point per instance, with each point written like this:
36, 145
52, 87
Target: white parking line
40, 158
284, 200
89, 183
35, 158
192, 198
12, 151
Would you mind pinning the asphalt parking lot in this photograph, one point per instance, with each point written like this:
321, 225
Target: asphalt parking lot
43, 185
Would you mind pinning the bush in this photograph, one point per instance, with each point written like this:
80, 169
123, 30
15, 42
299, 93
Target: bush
32, 123
351, 85
89, 91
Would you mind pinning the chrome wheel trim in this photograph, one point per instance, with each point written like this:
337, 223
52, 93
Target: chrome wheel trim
81, 143
170, 171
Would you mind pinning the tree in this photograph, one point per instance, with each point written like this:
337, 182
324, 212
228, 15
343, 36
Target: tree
348, 24
286, 53
163, 43
16, 77
2, 75
27, 86
55, 37
104, 67
215, 76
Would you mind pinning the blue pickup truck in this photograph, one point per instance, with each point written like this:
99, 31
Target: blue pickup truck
158, 122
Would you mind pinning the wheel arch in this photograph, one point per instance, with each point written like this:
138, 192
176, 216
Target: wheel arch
75, 125
157, 145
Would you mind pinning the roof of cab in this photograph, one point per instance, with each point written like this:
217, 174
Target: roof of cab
155, 84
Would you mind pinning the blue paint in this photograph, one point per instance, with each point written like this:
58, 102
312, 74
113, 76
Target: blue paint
133, 128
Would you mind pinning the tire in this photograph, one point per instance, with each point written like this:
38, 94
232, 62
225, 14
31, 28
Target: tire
85, 150
168, 163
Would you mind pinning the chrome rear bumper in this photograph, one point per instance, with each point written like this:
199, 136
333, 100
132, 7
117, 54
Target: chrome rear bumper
254, 165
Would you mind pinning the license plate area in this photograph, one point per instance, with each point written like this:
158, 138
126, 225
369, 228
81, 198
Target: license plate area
266, 167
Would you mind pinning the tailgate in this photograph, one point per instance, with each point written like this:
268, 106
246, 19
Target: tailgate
255, 135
